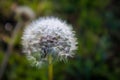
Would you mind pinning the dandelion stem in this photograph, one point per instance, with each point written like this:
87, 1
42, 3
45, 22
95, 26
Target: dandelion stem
50, 68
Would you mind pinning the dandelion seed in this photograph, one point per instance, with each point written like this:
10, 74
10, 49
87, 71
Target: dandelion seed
48, 36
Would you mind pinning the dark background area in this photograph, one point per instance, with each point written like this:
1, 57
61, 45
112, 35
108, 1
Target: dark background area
97, 26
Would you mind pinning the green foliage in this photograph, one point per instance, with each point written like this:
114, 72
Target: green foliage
94, 26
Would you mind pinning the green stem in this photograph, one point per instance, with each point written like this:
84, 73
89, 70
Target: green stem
50, 68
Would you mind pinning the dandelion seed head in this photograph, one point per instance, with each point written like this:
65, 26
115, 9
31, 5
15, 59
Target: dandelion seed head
48, 36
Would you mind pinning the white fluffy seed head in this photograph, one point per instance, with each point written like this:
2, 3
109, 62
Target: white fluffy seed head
48, 36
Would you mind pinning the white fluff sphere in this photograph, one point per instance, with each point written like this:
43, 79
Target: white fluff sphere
48, 36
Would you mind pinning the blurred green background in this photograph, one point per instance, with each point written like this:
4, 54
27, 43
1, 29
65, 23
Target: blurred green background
97, 25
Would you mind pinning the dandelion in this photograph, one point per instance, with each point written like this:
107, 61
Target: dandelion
49, 36
46, 37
